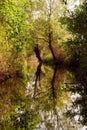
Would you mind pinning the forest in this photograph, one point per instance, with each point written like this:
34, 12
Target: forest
43, 38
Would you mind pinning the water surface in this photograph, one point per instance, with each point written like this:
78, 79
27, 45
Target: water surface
52, 98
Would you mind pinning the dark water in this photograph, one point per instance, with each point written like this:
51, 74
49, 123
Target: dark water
53, 98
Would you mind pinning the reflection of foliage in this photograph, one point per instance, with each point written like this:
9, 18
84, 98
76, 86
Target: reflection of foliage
16, 110
50, 97
23, 111
24, 119
79, 99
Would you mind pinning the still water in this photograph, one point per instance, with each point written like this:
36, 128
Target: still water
52, 98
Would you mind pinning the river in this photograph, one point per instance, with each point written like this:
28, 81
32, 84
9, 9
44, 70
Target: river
52, 98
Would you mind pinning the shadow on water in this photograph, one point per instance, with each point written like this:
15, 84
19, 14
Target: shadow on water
54, 98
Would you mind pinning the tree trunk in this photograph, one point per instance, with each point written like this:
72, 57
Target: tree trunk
37, 52
50, 46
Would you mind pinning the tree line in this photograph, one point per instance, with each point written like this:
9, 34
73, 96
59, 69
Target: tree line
31, 25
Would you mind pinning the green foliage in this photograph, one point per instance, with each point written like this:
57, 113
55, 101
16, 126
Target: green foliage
45, 17
15, 36
23, 24
77, 54
77, 26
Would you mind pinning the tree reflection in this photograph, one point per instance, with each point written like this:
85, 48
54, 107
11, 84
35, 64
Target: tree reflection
37, 78
50, 100
42, 104
16, 110
78, 109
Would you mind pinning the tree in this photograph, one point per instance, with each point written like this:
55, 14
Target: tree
15, 37
77, 47
77, 44
46, 15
